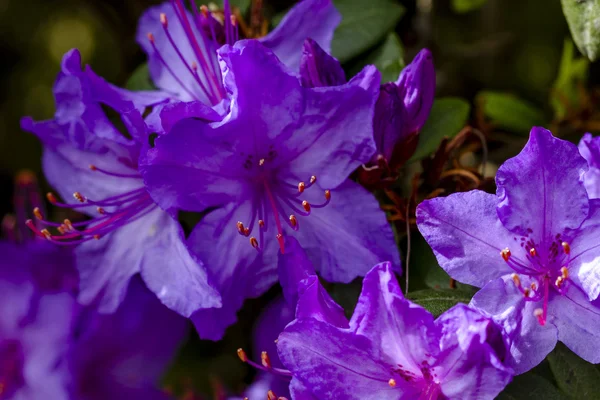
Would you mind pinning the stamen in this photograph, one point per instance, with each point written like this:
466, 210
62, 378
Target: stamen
565, 272
306, 206
46, 233
271, 395
566, 247
328, 195
516, 280
254, 242
240, 228
261, 162
79, 197
539, 314
532, 252
533, 286
313, 179
51, 198
278, 371
242, 355
265, 359
505, 254
279, 238
261, 223
559, 281
37, 213
301, 187
294, 222
392, 383
163, 20
526, 292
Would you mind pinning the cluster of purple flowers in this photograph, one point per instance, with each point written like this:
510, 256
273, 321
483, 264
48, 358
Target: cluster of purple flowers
262, 136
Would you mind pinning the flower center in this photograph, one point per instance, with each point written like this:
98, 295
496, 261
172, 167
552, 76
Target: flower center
423, 376
545, 270
205, 32
11, 368
113, 213
280, 199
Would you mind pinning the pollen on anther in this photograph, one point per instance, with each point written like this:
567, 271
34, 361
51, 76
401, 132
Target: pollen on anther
97, 237
293, 221
526, 292
67, 224
392, 382
306, 206
100, 210
271, 395
204, 10
194, 65
533, 286
538, 312
242, 355
163, 20
313, 179
79, 197
328, 195
150, 37
254, 242
265, 359
240, 227
301, 187
505, 254
261, 223
559, 281
565, 272
566, 247
37, 213
93, 167
261, 162
532, 252
51, 198
46, 234
233, 20
516, 280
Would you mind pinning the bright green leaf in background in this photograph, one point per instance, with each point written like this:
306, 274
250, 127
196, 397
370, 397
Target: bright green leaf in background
463, 6
531, 387
387, 57
583, 17
509, 112
140, 79
436, 301
364, 23
574, 376
572, 76
448, 116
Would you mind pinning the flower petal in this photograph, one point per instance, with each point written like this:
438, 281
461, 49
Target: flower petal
177, 277
316, 303
584, 262
293, 267
315, 19
542, 189
334, 363
578, 323
318, 69
470, 365
529, 342
403, 332
466, 236
589, 148
240, 272
355, 230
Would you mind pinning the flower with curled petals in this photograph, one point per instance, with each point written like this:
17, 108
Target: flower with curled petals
394, 349
532, 248
277, 164
88, 158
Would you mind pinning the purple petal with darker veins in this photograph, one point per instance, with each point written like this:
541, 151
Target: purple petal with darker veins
317, 68
466, 236
314, 19
293, 266
316, 303
584, 261
542, 189
589, 147
529, 342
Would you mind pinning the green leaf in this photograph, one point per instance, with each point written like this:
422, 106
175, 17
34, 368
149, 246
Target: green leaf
583, 17
574, 376
509, 112
448, 116
436, 301
363, 25
572, 75
388, 58
530, 386
140, 79
463, 6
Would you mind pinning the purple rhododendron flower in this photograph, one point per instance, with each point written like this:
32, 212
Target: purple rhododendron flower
402, 106
589, 147
182, 46
281, 153
532, 247
85, 156
394, 349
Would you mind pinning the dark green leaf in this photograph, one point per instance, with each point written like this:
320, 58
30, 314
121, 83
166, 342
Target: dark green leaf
448, 116
509, 112
530, 386
140, 79
388, 58
463, 6
574, 376
363, 25
572, 75
436, 301
583, 17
